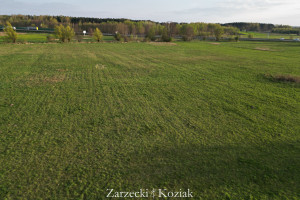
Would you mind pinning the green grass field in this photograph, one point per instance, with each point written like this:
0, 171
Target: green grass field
28, 37
42, 38
78, 119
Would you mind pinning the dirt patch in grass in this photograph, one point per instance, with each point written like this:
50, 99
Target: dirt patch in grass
215, 43
41, 79
100, 66
263, 49
54, 79
283, 78
163, 43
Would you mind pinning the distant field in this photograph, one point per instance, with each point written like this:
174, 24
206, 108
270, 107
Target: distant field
42, 37
78, 119
27, 37
271, 35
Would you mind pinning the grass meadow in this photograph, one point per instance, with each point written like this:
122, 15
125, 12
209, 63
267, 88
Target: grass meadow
42, 38
270, 35
77, 119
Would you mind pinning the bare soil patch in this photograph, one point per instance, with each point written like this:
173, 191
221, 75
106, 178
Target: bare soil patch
100, 66
263, 49
283, 78
35, 80
163, 43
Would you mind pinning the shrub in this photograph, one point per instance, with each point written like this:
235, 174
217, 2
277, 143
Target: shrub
231, 39
203, 35
165, 37
79, 38
133, 38
250, 36
64, 33
187, 38
147, 39
50, 38
98, 35
122, 38
59, 33
69, 33
151, 34
118, 36
219, 31
237, 38
126, 39
187, 32
10, 33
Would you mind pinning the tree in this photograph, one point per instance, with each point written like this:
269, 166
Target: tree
10, 32
69, 33
98, 35
165, 36
151, 33
218, 32
59, 33
118, 37
140, 28
64, 33
187, 32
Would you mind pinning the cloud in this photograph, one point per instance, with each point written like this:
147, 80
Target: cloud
249, 4
218, 11
265, 11
231, 7
17, 7
50, 8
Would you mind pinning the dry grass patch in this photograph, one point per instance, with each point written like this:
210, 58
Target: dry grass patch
99, 66
163, 43
4, 34
263, 49
42, 79
215, 43
54, 79
283, 78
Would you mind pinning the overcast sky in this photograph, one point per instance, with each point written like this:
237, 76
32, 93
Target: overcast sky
219, 11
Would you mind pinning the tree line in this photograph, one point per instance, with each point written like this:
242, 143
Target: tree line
255, 27
46, 21
124, 28
261, 27
287, 30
